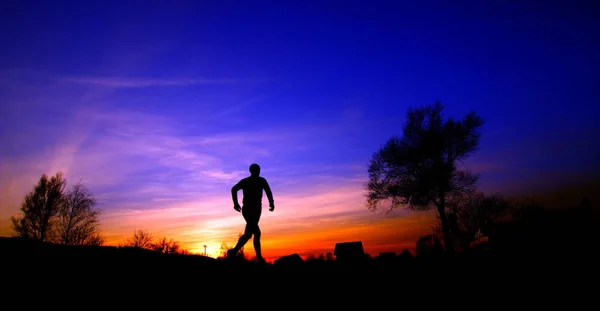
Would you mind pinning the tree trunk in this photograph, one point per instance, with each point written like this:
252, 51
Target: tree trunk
448, 241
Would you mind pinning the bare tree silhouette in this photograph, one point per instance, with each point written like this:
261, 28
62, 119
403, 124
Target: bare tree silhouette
419, 171
223, 250
77, 221
140, 239
321, 257
39, 209
167, 246
95, 239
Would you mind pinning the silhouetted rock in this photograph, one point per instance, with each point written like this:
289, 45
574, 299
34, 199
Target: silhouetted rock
289, 260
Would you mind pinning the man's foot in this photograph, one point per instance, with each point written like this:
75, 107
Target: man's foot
261, 261
231, 253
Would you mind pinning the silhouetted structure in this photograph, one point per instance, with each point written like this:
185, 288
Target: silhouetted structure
349, 251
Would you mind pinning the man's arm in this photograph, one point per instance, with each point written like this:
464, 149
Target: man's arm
269, 194
234, 191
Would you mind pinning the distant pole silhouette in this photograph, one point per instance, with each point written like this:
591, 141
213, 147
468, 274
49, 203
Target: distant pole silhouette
204, 250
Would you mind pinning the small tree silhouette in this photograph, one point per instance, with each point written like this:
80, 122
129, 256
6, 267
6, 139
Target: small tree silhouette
39, 209
419, 170
140, 239
50, 214
77, 221
95, 239
167, 246
223, 250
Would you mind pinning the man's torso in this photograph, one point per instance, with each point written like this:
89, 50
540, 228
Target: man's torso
252, 188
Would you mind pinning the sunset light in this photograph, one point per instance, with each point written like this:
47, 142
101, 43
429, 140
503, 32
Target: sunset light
160, 110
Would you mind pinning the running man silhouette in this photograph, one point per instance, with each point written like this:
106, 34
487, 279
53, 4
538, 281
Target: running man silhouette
252, 187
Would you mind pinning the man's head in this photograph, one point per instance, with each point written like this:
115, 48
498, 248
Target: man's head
254, 169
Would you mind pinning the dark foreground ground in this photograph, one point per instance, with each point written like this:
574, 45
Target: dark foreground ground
101, 277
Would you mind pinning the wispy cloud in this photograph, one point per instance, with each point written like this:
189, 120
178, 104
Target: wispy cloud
238, 107
130, 155
143, 82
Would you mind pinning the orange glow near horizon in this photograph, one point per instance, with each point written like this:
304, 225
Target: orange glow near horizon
308, 223
146, 175
384, 235
288, 230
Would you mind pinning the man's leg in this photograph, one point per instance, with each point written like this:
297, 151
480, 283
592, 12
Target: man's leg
257, 243
242, 240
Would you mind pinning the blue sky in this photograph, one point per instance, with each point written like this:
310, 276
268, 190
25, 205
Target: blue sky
163, 104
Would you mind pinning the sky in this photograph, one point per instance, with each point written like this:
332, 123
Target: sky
159, 107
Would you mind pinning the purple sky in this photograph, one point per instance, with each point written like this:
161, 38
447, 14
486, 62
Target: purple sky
164, 106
